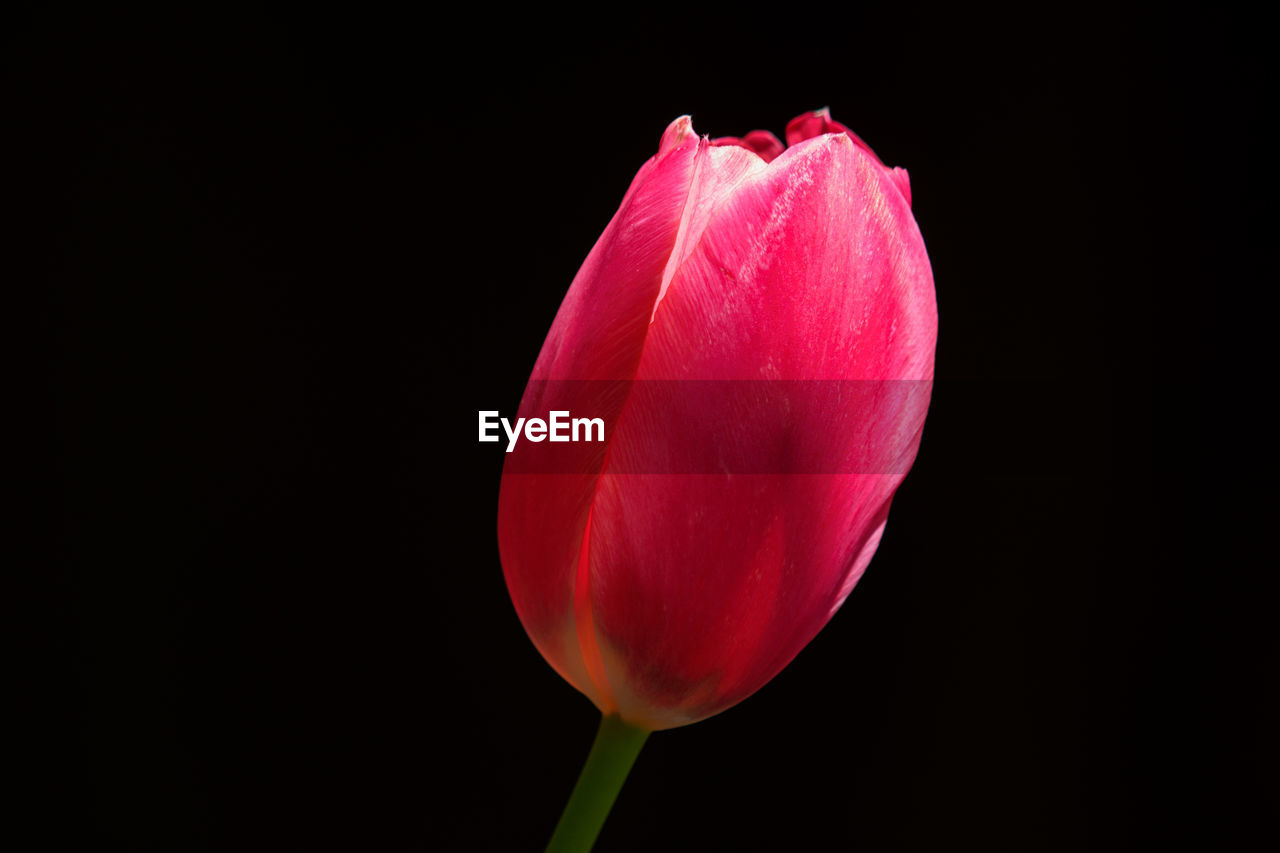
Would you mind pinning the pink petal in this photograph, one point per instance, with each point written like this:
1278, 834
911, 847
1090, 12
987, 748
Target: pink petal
902, 181
762, 142
818, 122
597, 335
704, 585
717, 172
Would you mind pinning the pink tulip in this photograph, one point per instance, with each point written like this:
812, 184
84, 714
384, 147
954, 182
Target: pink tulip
756, 327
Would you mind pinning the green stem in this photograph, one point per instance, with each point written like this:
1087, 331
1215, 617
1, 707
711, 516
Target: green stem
614, 751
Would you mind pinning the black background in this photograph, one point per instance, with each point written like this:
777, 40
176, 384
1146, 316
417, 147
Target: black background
287, 258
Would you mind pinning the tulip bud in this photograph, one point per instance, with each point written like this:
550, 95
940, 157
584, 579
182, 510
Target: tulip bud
756, 329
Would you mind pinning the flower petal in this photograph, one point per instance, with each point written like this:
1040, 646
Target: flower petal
818, 122
597, 336
717, 172
902, 181
762, 142
809, 296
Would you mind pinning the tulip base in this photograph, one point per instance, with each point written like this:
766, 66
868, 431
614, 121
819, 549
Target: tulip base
615, 749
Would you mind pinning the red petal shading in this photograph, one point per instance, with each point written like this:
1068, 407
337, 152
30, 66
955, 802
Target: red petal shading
703, 586
818, 122
762, 142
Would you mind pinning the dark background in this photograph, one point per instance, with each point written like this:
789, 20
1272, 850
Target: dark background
283, 259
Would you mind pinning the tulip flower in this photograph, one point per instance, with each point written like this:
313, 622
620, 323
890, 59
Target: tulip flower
755, 328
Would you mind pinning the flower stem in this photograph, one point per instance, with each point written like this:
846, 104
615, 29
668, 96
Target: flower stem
615, 749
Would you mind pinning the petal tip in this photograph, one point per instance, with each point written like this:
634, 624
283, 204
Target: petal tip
676, 133
902, 181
